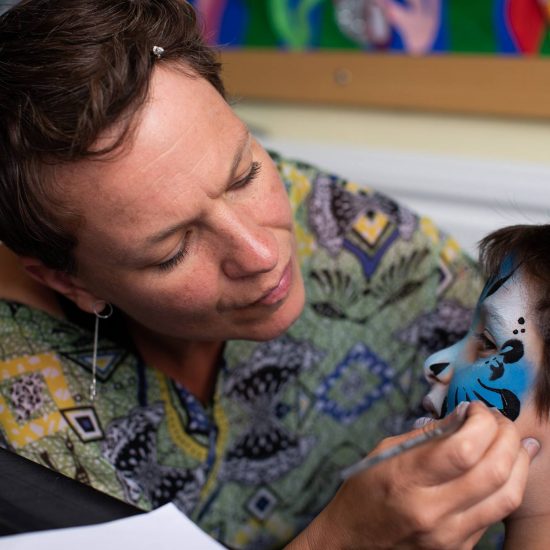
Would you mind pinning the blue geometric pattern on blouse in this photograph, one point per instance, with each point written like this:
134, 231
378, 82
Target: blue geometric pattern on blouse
198, 420
369, 264
356, 383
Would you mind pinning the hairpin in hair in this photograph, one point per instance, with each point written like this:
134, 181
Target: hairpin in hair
158, 51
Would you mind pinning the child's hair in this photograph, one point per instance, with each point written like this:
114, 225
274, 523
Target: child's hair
529, 245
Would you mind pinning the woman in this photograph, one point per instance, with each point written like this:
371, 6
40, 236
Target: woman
127, 181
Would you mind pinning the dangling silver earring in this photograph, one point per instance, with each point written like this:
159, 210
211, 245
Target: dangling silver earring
98, 315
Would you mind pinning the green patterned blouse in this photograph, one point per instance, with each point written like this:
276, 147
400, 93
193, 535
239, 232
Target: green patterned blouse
384, 289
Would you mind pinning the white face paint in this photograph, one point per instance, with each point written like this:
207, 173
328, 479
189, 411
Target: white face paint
496, 362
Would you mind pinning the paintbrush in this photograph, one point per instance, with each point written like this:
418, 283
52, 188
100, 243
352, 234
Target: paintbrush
430, 431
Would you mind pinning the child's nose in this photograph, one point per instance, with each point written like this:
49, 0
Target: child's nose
440, 371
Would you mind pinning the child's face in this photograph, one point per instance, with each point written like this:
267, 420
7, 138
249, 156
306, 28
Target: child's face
496, 362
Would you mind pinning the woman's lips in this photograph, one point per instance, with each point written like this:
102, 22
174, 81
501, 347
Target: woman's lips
280, 291
273, 296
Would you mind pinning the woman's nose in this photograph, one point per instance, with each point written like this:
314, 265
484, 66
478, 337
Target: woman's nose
249, 249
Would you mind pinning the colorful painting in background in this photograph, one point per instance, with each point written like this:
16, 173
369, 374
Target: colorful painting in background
416, 27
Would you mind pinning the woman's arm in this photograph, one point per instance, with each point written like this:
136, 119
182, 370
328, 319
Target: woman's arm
441, 495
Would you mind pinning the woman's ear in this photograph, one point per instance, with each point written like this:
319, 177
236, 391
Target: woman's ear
61, 282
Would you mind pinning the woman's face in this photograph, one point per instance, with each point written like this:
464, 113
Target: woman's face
497, 360
189, 230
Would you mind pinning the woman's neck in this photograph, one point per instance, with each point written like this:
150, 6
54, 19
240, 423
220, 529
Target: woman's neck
17, 286
192, 364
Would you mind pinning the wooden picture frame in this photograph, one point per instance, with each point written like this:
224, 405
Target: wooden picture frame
487, 85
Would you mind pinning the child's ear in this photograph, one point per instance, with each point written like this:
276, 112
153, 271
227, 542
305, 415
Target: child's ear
61, 282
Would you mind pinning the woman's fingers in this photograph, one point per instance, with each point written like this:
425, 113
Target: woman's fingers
436, 487
504, 463
505, 500
443, 460
442, 494
462, 530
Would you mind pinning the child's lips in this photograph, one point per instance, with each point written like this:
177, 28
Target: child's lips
430, 407
435, 399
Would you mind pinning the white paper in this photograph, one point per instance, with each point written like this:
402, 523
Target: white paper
165, 528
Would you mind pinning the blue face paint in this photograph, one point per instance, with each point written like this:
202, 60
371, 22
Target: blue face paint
501, 380
507, 269
496, 361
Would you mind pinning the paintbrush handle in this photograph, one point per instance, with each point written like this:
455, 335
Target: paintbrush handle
430, 431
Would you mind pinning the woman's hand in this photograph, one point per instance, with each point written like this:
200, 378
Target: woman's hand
443, 494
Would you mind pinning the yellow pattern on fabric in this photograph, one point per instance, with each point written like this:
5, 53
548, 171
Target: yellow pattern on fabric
184, 441
301, 186
220, 419
48, 365
371, 228
354, 187
429, 229
274, 525
451, 250
248, 532
278, 526
305, 242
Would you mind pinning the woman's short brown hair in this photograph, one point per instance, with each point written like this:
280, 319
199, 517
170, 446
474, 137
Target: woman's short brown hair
529, 247
69, 70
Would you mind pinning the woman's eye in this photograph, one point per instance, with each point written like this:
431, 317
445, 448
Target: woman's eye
177, 258
252, 173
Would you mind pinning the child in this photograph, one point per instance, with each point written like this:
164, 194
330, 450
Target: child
504, 361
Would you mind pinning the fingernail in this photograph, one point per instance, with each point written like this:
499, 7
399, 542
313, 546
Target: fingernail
421, 422
531, 445
461, 408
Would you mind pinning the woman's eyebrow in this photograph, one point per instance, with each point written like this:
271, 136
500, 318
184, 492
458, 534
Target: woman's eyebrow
163, 234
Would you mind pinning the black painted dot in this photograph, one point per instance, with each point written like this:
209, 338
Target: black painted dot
522, 330
521, 320
516, 331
